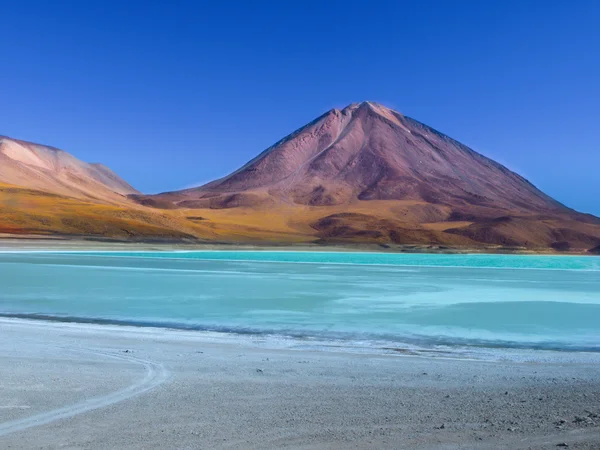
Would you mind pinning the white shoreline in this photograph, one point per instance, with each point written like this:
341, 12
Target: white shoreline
113, 254
274, 341
223, 392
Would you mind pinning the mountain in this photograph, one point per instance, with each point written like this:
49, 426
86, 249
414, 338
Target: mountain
369, 152
369, 173
361, 175
52, 170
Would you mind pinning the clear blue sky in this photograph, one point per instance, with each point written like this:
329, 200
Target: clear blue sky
171, 94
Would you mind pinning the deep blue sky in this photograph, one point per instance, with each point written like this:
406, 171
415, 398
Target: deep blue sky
171, 94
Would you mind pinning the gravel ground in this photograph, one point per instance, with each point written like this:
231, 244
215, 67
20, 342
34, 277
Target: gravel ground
87, 386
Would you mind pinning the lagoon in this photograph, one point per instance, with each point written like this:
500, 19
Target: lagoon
373, 301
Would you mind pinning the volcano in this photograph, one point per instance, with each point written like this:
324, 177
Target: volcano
369, 173
369, 152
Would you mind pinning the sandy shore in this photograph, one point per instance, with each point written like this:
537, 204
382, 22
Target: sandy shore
87, 386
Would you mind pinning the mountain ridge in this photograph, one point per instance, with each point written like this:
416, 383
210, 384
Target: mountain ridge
369, 173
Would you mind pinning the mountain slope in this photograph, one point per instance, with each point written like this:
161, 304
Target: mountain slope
52, 170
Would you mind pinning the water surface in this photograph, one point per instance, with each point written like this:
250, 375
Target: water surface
369, 299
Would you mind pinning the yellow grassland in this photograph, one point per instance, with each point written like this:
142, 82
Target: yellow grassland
27, 212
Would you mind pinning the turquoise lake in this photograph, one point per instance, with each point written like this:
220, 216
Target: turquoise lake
370, 299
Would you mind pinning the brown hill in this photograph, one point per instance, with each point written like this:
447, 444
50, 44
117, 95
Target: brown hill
47, 191
52, 170
368, 173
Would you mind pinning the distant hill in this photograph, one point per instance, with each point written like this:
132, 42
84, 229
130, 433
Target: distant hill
52, 170
45, 191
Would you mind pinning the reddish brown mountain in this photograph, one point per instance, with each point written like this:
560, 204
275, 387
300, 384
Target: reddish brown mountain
386, 177
369, 152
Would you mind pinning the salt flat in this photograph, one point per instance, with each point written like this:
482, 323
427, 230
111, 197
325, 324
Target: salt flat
158, 388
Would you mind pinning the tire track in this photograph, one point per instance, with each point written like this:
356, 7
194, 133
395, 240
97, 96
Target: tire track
156, 374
